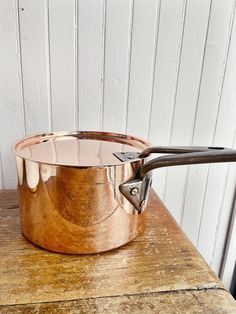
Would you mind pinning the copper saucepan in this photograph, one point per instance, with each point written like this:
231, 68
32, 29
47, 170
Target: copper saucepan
86, 192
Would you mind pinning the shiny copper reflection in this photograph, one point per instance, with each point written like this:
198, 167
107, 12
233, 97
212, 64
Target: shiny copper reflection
74, 209
79, 149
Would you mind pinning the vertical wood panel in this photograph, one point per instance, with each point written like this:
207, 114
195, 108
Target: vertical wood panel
217, 188
158, 68
48, 63
1, 174
91, 52
230, 252
11, 115
144, 36
172, 15
34, 46
117, 49
207, 110
61, 41
217, 238
76, 62
196, 26
224, 220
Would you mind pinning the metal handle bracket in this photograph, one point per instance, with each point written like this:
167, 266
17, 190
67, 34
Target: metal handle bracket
136, 190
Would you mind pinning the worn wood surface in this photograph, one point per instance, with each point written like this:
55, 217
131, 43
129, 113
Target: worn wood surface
159, 272
206, 302
122, 65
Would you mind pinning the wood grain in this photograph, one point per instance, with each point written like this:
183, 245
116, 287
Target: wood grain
8, 199
143, 274
210, 302
46, 43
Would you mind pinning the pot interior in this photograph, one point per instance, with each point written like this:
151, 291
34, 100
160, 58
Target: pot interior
78, 149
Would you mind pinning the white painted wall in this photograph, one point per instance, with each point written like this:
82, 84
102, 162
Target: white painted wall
164, 70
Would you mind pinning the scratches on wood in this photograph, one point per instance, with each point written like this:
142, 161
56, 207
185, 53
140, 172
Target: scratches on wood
160, 270
150, 68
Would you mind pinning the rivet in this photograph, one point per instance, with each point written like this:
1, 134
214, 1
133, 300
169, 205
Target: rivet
134, 191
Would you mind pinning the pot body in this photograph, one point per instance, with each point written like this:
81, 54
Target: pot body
77, 210
85, 192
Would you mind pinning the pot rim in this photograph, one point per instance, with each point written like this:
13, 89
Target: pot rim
36, 138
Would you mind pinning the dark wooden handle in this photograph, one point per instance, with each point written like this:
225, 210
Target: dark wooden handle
177, 150
186, 156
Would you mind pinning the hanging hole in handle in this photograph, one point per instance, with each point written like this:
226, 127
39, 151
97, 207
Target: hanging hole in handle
216, 148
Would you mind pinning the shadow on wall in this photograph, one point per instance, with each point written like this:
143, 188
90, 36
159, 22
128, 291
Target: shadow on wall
233, 284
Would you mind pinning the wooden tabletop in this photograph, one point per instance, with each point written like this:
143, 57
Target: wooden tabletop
159, 272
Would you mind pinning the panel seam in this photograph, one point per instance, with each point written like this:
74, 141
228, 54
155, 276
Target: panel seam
48, 64
176, 90
196, 109
129, 66
218, 109
103, 64
157, 27
76, 62
20, 67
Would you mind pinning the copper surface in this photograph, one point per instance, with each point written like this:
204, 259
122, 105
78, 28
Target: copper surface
79, 149
70, 204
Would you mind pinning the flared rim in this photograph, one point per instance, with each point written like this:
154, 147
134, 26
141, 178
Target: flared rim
136, 143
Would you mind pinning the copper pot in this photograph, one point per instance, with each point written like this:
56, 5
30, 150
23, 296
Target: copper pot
86, 192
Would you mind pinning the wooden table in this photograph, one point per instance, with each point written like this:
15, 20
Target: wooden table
159, 272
